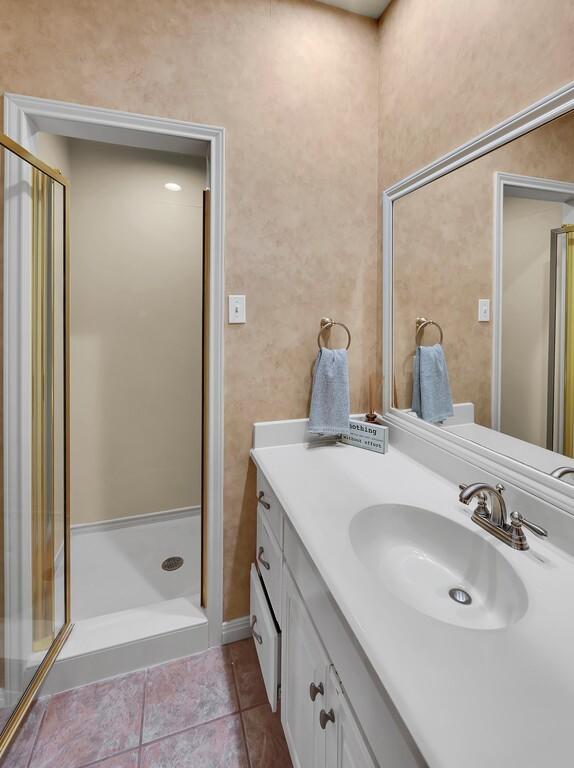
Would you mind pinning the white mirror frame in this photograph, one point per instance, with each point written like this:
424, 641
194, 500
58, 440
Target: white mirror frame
530, 479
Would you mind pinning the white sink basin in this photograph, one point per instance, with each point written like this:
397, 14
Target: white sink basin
420, 556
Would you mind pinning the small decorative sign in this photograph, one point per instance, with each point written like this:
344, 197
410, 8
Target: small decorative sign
369, 435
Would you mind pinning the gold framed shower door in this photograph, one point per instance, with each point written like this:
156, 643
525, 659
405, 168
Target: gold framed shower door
47, 637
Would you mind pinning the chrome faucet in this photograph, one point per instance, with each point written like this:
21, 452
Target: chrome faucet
496, 513
494, 518
559, 472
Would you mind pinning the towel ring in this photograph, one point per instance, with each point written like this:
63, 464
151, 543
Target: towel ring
327, 323
423, 323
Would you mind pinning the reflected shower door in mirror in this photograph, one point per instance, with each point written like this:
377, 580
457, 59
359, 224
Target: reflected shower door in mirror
487, 252
34, 593
560, 411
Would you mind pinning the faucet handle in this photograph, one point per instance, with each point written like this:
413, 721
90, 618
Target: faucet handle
520, 520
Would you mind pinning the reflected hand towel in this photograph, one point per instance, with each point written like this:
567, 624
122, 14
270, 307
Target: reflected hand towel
330, 397
432, 399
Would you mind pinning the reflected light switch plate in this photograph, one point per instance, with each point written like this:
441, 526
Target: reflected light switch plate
237, 309
484, 310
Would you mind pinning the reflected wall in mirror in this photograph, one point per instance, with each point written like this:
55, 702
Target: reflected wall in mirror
34, 584
512, 372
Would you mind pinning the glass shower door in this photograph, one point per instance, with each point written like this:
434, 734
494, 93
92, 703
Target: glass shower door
34, 548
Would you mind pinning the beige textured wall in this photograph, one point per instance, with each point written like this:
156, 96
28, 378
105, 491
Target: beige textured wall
443, 258
526, 305
451, 69
295, 84
135, 326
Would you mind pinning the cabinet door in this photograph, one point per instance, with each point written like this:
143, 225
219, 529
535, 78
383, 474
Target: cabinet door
303, 681
345, 746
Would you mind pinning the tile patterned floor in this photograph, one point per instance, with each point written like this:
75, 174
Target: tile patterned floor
205, 711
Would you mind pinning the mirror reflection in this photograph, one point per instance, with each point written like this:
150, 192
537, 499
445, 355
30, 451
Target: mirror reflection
487, 254
33, 540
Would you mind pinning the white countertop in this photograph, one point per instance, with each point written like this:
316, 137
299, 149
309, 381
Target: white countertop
471, 698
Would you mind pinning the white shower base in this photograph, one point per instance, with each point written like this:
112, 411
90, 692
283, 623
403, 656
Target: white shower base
116, 565
128, 612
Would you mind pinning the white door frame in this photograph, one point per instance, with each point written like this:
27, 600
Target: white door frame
24, 116
542, 189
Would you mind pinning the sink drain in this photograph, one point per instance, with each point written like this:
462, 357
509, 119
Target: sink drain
460, 596
172, 563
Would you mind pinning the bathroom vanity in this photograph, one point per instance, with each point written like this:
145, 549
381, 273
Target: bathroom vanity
333, 710
376, 663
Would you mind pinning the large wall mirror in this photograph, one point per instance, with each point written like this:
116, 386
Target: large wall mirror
34, 574
483, 247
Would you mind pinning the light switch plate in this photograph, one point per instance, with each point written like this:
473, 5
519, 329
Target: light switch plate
484, 310
237, 313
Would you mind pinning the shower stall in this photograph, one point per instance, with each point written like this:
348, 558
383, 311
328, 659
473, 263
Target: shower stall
136, 405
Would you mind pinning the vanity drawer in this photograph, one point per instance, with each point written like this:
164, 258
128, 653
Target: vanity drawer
269, 562
267, 504
266, 637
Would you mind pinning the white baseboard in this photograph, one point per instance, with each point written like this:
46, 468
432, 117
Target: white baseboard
236, 629
132, 520
127, 657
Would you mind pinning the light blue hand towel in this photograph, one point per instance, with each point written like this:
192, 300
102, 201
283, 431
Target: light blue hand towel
432, 399
330, 398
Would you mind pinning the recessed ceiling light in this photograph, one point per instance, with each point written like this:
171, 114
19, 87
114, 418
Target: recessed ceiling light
172, 186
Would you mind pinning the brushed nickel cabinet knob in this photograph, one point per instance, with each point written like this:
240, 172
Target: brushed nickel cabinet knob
256, 636
261, 559
261, 500
326, 717
316, 689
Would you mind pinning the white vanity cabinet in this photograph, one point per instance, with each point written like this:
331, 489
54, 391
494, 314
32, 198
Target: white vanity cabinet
344, 743
334, 711
319, 726
304, 672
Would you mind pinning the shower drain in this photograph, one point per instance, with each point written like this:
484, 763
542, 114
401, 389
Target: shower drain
172, 563
460, 596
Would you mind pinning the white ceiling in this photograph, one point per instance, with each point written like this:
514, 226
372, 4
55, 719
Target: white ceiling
372, 8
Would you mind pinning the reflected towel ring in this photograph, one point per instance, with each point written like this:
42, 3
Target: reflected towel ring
327, 323
423, 323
